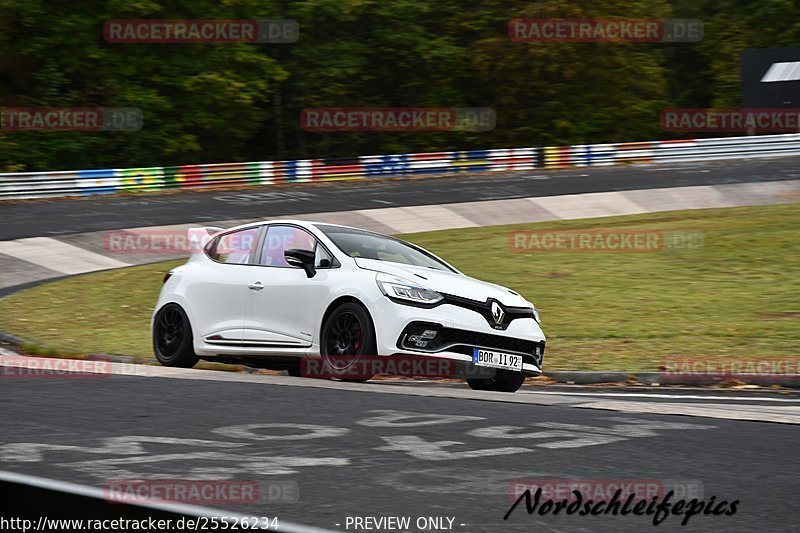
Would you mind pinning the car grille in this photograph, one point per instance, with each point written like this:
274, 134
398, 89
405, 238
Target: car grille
485, 310
463, 341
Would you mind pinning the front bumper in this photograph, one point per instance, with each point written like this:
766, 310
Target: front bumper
458, 331
432, 339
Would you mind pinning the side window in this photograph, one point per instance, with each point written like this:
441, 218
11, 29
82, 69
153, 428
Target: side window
282, 238
234, 247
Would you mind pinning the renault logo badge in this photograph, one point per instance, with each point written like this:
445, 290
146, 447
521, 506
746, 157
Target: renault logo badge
497, 313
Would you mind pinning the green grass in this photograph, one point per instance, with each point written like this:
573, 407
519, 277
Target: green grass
737, 295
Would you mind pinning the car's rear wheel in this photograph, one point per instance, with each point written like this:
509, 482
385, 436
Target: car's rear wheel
503, 381
348, 338
172, 338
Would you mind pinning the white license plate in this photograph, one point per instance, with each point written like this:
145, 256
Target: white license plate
496, 359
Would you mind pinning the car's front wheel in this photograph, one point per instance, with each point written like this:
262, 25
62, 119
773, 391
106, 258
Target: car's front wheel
172, 338
347, 343
503, 381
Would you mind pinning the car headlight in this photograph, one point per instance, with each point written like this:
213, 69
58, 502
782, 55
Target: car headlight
403, 289
535, 313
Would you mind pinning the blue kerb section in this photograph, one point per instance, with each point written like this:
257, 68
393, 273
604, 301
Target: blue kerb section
97, 174
290, 171
388, 164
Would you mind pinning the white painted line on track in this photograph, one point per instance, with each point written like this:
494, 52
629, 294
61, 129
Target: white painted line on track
752, 413
665, 396
506, 197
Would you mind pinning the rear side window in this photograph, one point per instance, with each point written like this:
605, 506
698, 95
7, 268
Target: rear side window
233, 248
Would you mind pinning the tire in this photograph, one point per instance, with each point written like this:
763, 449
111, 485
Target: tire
503, 381
172, 338
348, 336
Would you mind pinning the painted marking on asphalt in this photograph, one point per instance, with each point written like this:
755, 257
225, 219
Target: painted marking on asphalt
575, 436
631, 427
388, 418
579, 435
30, 452
59, 256
264, 197
419, 448
272, 465
308, 431
134, 460
568, 439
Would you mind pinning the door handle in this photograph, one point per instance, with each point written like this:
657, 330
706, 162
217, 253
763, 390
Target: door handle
257, 286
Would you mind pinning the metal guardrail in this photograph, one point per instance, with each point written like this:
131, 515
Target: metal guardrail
109, 181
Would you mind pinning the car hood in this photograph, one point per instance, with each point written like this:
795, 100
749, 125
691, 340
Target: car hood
446, 282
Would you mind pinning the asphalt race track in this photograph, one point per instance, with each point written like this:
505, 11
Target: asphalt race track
332, 450
42, 218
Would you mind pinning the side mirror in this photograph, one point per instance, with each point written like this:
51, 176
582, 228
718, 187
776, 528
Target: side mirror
301, 259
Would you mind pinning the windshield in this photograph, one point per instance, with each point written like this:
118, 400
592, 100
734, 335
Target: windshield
369, 245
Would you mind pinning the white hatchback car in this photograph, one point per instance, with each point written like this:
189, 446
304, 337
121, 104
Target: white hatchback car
275, 293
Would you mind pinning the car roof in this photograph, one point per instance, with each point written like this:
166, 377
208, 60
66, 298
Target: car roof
299, 222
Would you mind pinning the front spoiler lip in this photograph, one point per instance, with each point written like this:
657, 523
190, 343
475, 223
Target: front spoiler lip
527, 368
